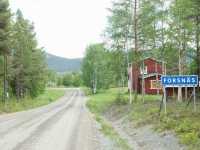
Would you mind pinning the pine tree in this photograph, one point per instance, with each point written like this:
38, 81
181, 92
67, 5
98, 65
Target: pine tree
29, 67
4, 35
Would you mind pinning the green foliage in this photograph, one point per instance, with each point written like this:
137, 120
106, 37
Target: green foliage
180, 120
189, 138
67, 80
120, 23
70, 79
76, 79
5, 15
52, 78
186, 129
121, 99
169, 30
87, 91
50, 95
27, 66
96, 71
24, 73
119, 31
98, 104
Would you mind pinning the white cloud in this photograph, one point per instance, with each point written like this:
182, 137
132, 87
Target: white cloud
65, 27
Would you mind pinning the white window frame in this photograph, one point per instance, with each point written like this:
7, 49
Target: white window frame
155, 88
143, 71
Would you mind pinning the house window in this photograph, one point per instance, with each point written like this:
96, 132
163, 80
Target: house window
156, 84
143, 71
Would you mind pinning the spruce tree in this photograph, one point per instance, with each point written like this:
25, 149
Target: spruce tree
4, 35
29, 67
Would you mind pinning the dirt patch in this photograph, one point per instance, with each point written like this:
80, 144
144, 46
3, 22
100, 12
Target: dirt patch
140, 138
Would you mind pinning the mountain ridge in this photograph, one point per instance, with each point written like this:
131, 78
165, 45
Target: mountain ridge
61, 64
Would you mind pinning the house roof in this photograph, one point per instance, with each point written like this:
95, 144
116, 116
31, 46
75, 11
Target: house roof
150, 75
160, 61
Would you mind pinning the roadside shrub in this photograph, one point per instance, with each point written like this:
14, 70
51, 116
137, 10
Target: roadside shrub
184, 126
152, 111
165, 123
121, 99
50, 99
189, 138
87, 91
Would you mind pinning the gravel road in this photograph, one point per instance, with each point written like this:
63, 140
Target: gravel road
63, 125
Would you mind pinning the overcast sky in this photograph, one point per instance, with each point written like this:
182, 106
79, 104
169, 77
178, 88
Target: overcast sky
65, 27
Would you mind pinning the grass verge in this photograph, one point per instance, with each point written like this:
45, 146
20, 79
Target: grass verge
181, 120
98, 104
12, 105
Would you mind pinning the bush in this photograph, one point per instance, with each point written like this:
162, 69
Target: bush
121, 99
87, 91
189, 138
184, 126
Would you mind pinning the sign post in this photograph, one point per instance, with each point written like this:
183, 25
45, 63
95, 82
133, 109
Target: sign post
130, 83
195, 106
179, 81
165, 100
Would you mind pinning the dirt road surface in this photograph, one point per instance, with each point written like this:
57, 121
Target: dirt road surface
63, 125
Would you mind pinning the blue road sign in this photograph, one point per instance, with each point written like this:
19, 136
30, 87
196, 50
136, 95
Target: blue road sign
180, 81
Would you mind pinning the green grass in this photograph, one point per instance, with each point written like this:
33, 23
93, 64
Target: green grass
109, 131
98, 104
12, 105
182, 120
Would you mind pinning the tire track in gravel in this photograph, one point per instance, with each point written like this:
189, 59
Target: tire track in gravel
46, 125
32, 118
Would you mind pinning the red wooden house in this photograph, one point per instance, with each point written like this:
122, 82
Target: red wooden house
147, 75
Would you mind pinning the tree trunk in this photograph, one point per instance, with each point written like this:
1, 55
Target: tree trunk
95, 82
136, 26
135, 50
143, 82
5, 78
157, 78
180, 72
186, 93
17, 89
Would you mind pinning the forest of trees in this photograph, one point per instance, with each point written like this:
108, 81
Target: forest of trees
168, 30
22, 63
68, 79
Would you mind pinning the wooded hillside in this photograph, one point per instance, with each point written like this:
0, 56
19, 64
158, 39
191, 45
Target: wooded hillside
62, 65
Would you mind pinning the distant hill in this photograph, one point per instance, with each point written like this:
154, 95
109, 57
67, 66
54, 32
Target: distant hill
60, 64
